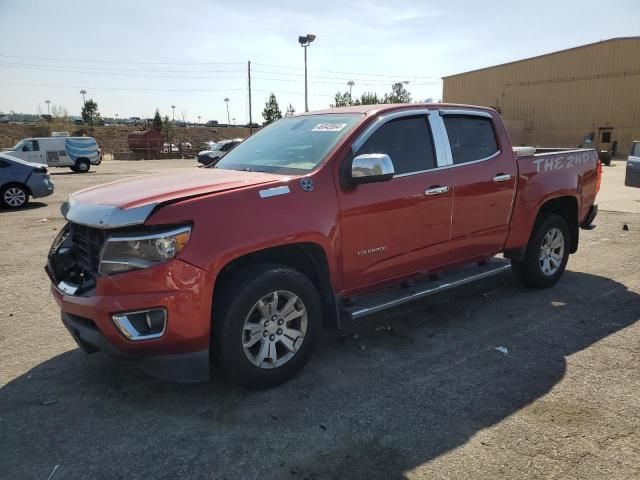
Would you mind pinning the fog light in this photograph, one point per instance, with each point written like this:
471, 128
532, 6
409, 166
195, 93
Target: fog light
141, 324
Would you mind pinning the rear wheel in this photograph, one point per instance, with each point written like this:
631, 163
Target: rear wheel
14, 196
547, 253
82, 165
266, 323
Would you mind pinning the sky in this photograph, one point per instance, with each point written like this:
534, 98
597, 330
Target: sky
135, 56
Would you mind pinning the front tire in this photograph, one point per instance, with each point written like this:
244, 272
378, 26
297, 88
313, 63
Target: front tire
267, 320
82, 165
547, 253
14, 196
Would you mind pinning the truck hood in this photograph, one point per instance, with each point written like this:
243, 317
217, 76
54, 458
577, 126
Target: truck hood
130, 201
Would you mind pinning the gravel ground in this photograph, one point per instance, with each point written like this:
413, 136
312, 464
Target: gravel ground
418, 392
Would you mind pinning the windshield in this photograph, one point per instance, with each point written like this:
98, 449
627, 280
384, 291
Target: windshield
216, 146
635, 151
18, 146
290, 146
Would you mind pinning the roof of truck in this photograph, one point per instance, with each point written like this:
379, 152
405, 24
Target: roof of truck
379, 108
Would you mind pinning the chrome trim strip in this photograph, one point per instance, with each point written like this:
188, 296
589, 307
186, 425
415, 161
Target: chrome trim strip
475, 113
104, 216
440, 288
446, 145
272, 192
158, 234
128, 330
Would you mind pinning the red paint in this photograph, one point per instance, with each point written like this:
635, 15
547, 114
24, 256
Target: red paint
476, 218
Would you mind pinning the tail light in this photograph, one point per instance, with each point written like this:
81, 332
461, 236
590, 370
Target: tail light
598, 176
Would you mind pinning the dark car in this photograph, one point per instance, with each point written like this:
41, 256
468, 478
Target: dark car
20, 180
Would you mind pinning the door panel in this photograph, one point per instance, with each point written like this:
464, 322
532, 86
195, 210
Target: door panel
484, 180
394, 228
391, 229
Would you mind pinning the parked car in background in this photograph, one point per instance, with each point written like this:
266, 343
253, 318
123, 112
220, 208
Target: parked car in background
20, 180
217, 151
212, 123
315, 220
77, 153
632, 177
78, 121
4, 119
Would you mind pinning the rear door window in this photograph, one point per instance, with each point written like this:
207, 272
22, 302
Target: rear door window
471, 138
408, 143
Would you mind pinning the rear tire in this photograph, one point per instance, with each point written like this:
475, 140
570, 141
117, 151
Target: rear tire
262, 340
82, 165
547, 253
14, 196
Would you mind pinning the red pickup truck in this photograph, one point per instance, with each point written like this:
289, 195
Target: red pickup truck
314, 220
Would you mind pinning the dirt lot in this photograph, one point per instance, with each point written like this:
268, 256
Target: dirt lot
418, 392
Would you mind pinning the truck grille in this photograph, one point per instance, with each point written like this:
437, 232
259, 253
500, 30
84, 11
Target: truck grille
87, 242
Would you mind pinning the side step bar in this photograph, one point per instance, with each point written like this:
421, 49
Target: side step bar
390, 297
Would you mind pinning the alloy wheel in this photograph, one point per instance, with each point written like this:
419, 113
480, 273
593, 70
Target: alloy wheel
274, 329
551, 252
15, 197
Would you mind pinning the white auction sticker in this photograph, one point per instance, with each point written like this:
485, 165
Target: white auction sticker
328, 127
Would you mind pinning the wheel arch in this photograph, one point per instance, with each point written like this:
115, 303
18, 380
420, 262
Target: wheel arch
19, 184
306, 257
567, 207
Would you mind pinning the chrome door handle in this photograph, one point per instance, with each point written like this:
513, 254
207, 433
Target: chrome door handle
502, 178
433, 191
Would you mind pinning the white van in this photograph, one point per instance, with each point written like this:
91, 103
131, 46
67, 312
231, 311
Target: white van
77, 153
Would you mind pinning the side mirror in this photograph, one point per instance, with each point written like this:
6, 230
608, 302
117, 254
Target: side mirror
370, 168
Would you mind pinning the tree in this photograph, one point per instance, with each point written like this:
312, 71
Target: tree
399, 94
157, 121
59, 111
290, 111
368, 98
271, 111
168, 129
342, 100
90, 111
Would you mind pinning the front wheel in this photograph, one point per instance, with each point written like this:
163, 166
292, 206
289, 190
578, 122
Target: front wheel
267, 320
547, 253
82, 165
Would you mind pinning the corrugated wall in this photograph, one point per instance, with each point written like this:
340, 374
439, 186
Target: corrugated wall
558, 99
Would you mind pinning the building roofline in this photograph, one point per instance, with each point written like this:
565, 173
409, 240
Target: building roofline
543, 55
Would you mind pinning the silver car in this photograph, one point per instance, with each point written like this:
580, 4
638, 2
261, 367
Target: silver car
20, 180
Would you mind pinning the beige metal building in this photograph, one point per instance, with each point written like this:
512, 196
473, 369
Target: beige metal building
588, 95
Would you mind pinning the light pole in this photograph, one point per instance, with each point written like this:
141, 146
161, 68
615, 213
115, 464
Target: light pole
234, 121
115, 122
48, 102
173, 114
83, 92
351, 84
305, 41
198, 119
226, 100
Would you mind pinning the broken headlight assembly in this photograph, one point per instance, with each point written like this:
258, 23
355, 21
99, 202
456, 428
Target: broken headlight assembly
125, 252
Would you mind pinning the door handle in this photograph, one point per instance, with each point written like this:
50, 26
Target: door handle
436, 190
502, 177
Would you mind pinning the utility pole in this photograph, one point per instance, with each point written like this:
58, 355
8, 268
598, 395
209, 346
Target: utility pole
249, 78
351, 84
173, 114
226, 100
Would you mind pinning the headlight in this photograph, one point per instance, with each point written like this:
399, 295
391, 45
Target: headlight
122, 253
